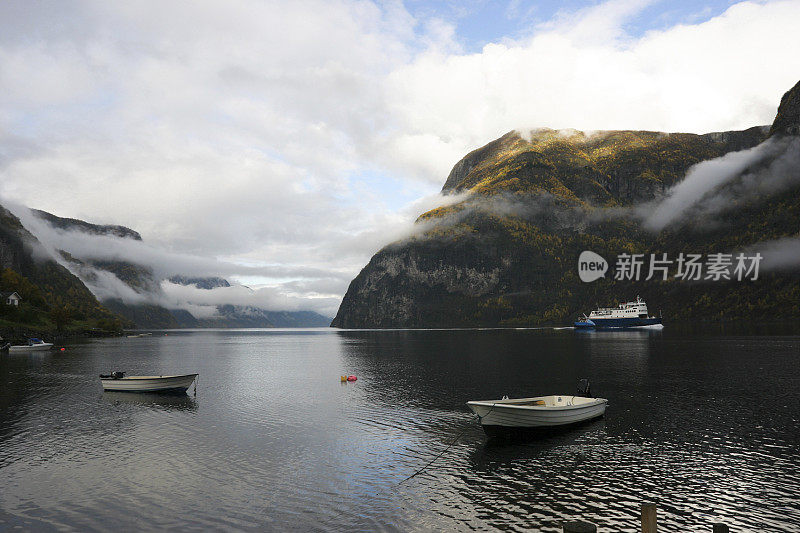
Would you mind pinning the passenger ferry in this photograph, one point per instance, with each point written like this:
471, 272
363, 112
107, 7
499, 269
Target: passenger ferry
627, 315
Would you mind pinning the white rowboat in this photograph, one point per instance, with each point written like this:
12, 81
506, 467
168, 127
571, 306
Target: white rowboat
34, 345
147, 383
536, 413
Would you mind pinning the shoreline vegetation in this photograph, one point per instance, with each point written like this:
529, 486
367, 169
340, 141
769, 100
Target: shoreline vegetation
44, 314
19, 333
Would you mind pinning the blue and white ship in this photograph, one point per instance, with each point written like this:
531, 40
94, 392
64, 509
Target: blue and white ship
627, 315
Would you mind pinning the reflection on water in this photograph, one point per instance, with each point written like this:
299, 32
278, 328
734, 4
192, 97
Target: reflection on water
495, 451
166, 401
274, 440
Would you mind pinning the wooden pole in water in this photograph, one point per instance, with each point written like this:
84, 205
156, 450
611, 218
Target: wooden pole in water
580, 527
648, 518
719, 527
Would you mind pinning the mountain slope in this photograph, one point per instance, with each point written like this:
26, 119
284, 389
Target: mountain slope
43, 283
87, 227
604, 168
507, 254
142, 297
787, 121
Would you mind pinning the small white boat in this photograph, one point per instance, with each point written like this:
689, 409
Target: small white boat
499, 416
116, 381
32, 346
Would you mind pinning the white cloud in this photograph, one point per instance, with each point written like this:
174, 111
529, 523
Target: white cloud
701, 180
779, 254
246, 132
581, 71
273, 298
716, 185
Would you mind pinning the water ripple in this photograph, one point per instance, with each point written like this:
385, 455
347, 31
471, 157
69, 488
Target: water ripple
274, 441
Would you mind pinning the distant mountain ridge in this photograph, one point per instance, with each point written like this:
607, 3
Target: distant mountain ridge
238, 316
604, 168
62, 288
87, 227
207, 283
242, 316
507, 254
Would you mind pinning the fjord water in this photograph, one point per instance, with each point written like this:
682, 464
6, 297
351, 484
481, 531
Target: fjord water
706, 425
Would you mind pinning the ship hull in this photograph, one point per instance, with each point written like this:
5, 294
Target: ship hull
613, 323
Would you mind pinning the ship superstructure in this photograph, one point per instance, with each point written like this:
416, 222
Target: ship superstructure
627, 315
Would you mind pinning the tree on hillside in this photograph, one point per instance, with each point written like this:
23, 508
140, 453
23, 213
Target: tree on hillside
61, 316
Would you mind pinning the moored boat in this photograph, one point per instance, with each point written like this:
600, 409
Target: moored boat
540, 412
32, 346
117, 381
626, 315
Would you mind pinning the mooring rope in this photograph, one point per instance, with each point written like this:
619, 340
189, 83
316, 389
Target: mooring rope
434, 459
480, 418
429, 463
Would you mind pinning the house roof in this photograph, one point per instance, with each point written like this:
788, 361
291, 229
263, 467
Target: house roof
5, 295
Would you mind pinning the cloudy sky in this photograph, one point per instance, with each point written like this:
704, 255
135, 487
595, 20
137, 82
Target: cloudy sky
290, 140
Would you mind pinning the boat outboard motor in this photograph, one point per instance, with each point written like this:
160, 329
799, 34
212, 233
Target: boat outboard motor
584, 389
118, 375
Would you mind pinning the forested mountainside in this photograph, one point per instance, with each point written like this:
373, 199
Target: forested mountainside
52, 297
507, 254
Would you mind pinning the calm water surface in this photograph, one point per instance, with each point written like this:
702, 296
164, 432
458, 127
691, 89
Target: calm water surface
705, 425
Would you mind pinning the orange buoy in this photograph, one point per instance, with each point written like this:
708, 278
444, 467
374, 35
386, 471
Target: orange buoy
351, 378
63, 349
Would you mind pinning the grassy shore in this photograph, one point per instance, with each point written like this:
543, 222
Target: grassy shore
17, 332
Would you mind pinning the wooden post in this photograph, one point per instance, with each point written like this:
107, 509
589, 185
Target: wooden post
719, 527
580, 527
648, 518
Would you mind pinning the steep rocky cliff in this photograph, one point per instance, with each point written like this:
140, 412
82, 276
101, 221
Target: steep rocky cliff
787, 122
507, 254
